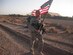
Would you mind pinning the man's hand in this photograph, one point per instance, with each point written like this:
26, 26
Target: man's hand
37, 31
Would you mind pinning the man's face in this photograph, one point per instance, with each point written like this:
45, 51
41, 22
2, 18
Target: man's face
37, 13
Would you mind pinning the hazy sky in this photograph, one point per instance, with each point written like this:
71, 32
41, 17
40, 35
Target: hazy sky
63, 7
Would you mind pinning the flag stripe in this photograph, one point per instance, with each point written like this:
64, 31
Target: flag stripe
33, 12
44, 10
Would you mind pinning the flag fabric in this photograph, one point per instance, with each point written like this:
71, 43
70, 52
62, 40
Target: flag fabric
44, 8
33, 13
48, 3
42, 11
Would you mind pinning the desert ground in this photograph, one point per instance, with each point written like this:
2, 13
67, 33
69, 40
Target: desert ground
15, 36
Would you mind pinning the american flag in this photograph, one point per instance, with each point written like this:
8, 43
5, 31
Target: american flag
33, 13
44, 8
48, 3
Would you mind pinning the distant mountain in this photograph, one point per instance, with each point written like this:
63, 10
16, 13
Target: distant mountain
54, 14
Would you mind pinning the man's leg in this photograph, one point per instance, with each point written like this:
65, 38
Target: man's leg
32, 42
38, 45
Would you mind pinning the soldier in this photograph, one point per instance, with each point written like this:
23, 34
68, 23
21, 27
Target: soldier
36, 38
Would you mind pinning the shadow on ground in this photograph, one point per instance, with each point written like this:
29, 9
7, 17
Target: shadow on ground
29, 53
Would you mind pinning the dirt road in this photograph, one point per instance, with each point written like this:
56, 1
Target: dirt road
24, 41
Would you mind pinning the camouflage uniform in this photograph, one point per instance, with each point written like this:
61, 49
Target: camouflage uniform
36, 37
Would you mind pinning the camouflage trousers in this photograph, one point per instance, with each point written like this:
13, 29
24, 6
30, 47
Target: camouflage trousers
36, 42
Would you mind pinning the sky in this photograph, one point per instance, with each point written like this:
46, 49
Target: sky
63, 7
